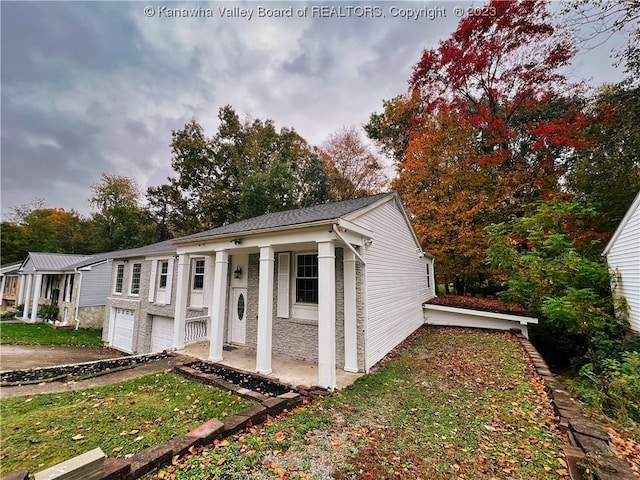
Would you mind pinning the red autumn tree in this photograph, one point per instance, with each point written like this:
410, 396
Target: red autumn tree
498, 78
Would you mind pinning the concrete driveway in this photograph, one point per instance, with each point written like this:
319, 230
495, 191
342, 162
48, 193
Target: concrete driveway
19, 357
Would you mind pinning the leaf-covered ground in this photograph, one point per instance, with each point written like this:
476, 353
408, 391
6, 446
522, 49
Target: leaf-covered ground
449, 404
479, 303
40, 431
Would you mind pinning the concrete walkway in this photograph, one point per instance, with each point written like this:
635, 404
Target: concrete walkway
20, 357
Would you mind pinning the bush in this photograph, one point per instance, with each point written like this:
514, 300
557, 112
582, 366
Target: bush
618, 384
49, 312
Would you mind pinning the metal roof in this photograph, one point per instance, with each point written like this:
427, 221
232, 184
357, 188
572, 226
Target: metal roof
54, 261
315, 213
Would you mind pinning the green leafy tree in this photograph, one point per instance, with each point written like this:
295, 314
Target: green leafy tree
554, 274
246, 169
606, 173
120, 222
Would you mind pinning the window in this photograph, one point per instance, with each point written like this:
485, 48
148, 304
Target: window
428, 276
307, 278
198, 275
119, 278
135, 279
164, 270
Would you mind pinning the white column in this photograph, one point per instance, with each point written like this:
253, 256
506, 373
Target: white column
4, 281
265, 311
216, 307
21, 289
182, 295
36, 297
27, 297
350, 313
326, 315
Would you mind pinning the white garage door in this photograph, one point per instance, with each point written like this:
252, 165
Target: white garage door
161, 334
123, 330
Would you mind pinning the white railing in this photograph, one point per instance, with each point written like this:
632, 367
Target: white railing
195, 329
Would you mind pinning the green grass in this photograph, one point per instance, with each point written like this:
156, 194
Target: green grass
454, 404
40, 431
41, 334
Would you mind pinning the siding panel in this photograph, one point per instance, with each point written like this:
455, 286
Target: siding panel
396, 281
95, 285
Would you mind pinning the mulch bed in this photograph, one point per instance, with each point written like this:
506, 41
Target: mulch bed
479, 303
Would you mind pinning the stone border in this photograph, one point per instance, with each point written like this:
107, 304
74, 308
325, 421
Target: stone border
588, 443
156, 456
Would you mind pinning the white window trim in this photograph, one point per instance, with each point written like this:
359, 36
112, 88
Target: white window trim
301, 311
115, 280
139, 280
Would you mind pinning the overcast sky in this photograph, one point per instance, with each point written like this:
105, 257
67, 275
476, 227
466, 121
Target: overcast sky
92, 87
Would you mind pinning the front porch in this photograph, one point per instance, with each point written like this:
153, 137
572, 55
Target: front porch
285, 369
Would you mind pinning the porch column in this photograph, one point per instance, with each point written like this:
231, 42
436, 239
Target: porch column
27, 297
216, 308
327, 315
265, 311
21, 278
182, 295
350, 313
4, 281
36, 297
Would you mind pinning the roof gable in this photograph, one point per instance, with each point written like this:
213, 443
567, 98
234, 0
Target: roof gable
39, 261
291, 218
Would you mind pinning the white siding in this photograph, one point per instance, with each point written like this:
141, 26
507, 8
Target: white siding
396, 281
623, 258
95, 285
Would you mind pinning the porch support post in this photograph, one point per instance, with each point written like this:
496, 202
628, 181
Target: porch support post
4, 281
265, 311
36, 297
182, 294
216, 308
327, 315
22, 279
350, 313
27, 297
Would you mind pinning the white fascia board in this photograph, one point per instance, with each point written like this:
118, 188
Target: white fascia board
254, 240
623, 223
480, 313
352, 227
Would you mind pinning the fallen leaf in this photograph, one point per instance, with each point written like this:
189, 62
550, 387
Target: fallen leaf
221, 461
75, 438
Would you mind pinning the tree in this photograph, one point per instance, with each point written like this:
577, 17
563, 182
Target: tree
607, 172
120, 221
444, 190
354, 170
36, 228
554, 271
490, 99
246, 169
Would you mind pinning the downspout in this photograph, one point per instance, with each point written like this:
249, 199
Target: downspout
78, 299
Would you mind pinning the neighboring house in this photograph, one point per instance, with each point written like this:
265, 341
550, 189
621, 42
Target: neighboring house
623, 257
340, 284
9, 285
77, 284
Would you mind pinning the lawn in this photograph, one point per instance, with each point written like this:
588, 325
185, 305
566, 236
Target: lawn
40, 431
452, 404
41, 334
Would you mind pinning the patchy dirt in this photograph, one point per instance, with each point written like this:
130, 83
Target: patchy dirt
246, 380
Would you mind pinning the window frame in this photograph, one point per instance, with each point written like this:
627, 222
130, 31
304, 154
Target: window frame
198, 275
314, 279
135, 280
119, 280
163, 274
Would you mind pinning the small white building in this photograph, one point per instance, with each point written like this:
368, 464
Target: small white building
623, 257
340, 284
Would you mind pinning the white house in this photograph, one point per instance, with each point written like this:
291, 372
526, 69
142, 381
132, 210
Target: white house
340, 284
623, 257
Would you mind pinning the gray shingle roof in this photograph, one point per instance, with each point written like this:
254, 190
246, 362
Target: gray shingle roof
315, 213
160, 247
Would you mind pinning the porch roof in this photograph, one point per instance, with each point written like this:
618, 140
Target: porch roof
289, 218
38, 261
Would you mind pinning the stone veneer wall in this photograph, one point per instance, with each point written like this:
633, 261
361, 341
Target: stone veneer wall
298, 338
92, 316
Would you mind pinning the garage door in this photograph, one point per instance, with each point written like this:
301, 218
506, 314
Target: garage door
123, 330
161, 334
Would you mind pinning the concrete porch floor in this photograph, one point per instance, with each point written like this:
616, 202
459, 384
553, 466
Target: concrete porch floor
285, 369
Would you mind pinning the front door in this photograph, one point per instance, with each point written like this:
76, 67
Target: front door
238, 316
